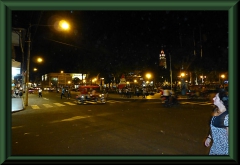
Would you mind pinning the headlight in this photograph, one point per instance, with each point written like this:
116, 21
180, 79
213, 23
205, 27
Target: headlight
82, 96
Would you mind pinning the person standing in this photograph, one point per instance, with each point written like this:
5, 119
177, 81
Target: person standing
137, 92
218, 136
40, 92
16, 92
68, 93
144, 92
63, 93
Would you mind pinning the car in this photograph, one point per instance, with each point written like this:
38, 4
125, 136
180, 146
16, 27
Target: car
31, 90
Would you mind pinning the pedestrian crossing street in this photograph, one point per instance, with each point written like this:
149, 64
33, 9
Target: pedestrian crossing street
72, 103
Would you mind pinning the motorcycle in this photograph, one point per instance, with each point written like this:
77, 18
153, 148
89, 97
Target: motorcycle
97, 98
191, 95
169, 101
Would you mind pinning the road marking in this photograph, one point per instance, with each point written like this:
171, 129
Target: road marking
113, 101
69, 103
195, 103
47, 105
91, 102
45, 98
58, 104
116, 101
35, 107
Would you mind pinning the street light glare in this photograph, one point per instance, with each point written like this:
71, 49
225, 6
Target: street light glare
148, 75
64, 25
182, 74
39, 60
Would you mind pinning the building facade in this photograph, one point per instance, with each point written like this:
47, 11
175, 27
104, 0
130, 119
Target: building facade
18, 35
58, 80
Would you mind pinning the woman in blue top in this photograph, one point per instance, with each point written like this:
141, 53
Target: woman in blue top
219, 126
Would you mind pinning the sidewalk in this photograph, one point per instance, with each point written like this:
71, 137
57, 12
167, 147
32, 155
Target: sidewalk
17, 104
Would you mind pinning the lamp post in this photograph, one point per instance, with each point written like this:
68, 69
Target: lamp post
183, 88
223, 76
148, 75
101, 84
27, 71
170, 69
63, 25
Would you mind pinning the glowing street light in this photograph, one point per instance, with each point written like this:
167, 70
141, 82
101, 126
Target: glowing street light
39, 60
148, 75
182, 74
222, 76
64, 25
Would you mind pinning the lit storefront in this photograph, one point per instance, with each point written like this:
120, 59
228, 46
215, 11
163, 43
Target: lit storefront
58, 80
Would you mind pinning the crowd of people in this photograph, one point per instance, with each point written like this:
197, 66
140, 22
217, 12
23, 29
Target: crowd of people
129, 92
17, 92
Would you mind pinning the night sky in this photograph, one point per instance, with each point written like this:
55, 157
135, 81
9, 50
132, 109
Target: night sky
115, 42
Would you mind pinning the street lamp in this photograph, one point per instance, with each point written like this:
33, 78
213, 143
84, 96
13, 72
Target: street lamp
148, 75
202, 77
223, 76
39, 60
101, 84
62, 25
183, 88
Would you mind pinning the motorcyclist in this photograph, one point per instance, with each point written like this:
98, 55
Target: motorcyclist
172, 97
166, 94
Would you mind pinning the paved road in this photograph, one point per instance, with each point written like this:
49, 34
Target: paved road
125, 127
18, 103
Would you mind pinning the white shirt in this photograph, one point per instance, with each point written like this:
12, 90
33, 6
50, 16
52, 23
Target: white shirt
166, 92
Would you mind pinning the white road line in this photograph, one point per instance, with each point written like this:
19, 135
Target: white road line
35, 107
69, 103
113, 101
196, 103
47, 105
58, 104
91, 102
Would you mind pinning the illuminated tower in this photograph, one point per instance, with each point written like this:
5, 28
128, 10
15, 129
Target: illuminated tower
162, 60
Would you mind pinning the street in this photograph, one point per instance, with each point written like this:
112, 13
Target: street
55, 126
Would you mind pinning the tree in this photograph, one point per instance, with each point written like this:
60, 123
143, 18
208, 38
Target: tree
76, 80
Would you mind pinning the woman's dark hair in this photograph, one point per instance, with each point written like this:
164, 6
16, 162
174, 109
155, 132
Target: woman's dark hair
223, 95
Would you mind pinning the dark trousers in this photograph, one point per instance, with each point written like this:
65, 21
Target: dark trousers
62, 94
40, 94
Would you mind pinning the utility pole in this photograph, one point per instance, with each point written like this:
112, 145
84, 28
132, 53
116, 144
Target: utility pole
170, 69
28, 62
